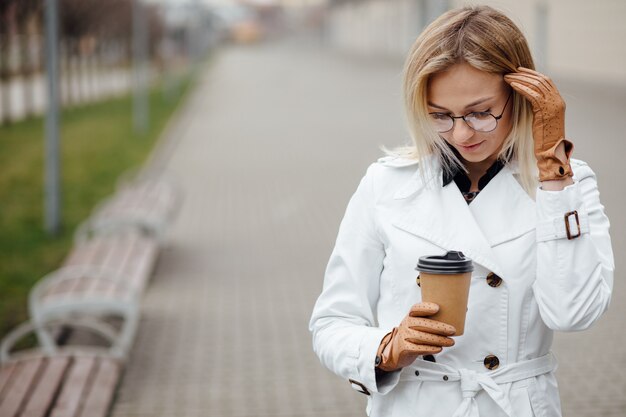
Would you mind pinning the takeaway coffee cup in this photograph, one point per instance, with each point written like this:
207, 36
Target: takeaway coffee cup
445, 280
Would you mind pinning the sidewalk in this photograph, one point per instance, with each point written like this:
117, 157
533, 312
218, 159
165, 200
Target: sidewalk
270, 147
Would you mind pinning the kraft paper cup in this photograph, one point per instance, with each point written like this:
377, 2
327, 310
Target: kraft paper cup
445, 280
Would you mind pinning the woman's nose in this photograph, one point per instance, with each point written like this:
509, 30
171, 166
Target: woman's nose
461, 132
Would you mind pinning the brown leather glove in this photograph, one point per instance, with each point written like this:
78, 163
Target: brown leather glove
548, 121
415, 336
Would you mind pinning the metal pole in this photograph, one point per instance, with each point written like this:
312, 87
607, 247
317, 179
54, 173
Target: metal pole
140, 69
52, 164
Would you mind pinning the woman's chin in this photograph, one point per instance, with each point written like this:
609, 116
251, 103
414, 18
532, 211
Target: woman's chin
473, 158
476, 157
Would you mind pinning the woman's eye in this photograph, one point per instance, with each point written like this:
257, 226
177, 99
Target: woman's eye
480, 115
439, 116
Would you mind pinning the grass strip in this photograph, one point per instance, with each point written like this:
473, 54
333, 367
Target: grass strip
98, 144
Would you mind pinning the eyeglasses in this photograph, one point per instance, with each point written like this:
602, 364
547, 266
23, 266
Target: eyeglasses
480, 121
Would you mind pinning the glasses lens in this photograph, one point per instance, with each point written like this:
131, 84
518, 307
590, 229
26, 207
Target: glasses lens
442, 122
481, 121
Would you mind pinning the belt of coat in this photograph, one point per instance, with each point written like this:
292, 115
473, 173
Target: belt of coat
473, 382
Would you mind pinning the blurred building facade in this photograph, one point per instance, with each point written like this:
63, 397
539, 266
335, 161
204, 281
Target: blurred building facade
573, 39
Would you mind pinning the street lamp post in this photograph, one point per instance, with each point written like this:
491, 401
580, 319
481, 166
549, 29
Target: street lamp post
52, 198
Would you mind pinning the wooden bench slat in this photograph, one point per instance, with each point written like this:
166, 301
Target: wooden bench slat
89, 252
58, 288
143, 262
97, 252
5, 378
102, 390
22, 384
87, 257
109, 257
129, 257
49, 385
69, 401
155, 197
144, 257
86, 253
137, 205
132, 264
81, 285
106, 252
118, 262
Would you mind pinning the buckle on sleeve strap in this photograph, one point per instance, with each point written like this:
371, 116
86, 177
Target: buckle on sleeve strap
571, 219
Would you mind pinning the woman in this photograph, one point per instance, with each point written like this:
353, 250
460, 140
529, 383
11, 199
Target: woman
489, 174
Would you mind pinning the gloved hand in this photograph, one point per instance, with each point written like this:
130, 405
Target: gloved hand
548, 122
415, 336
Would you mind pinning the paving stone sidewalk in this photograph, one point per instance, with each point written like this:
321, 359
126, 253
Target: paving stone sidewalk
269, 148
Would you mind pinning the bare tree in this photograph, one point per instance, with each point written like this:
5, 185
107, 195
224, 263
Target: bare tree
86, 26
28, 19
95, 19
7, 12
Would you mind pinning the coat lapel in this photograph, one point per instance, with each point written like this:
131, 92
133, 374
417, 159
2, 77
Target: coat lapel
441, 215
503, 210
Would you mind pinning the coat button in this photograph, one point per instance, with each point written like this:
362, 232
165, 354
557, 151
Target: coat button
493, 280
491, 362
417, 280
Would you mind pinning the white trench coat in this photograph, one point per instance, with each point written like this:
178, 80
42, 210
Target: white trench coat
543, 282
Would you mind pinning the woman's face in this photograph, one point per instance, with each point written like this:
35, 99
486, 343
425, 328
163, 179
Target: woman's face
463, 89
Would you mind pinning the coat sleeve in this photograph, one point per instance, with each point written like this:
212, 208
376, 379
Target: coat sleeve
574, 276
343, 323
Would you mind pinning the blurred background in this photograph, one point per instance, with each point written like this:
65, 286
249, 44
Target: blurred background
267, 113
575, 39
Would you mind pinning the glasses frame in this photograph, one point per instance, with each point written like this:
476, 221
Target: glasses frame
497, 118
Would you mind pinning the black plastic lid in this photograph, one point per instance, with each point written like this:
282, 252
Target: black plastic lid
453, 262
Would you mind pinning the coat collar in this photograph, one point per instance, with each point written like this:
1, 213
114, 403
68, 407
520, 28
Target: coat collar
493, 170
501, 212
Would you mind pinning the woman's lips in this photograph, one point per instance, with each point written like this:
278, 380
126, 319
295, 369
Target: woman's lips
471, 147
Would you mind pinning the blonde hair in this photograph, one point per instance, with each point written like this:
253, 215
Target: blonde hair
489, 41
